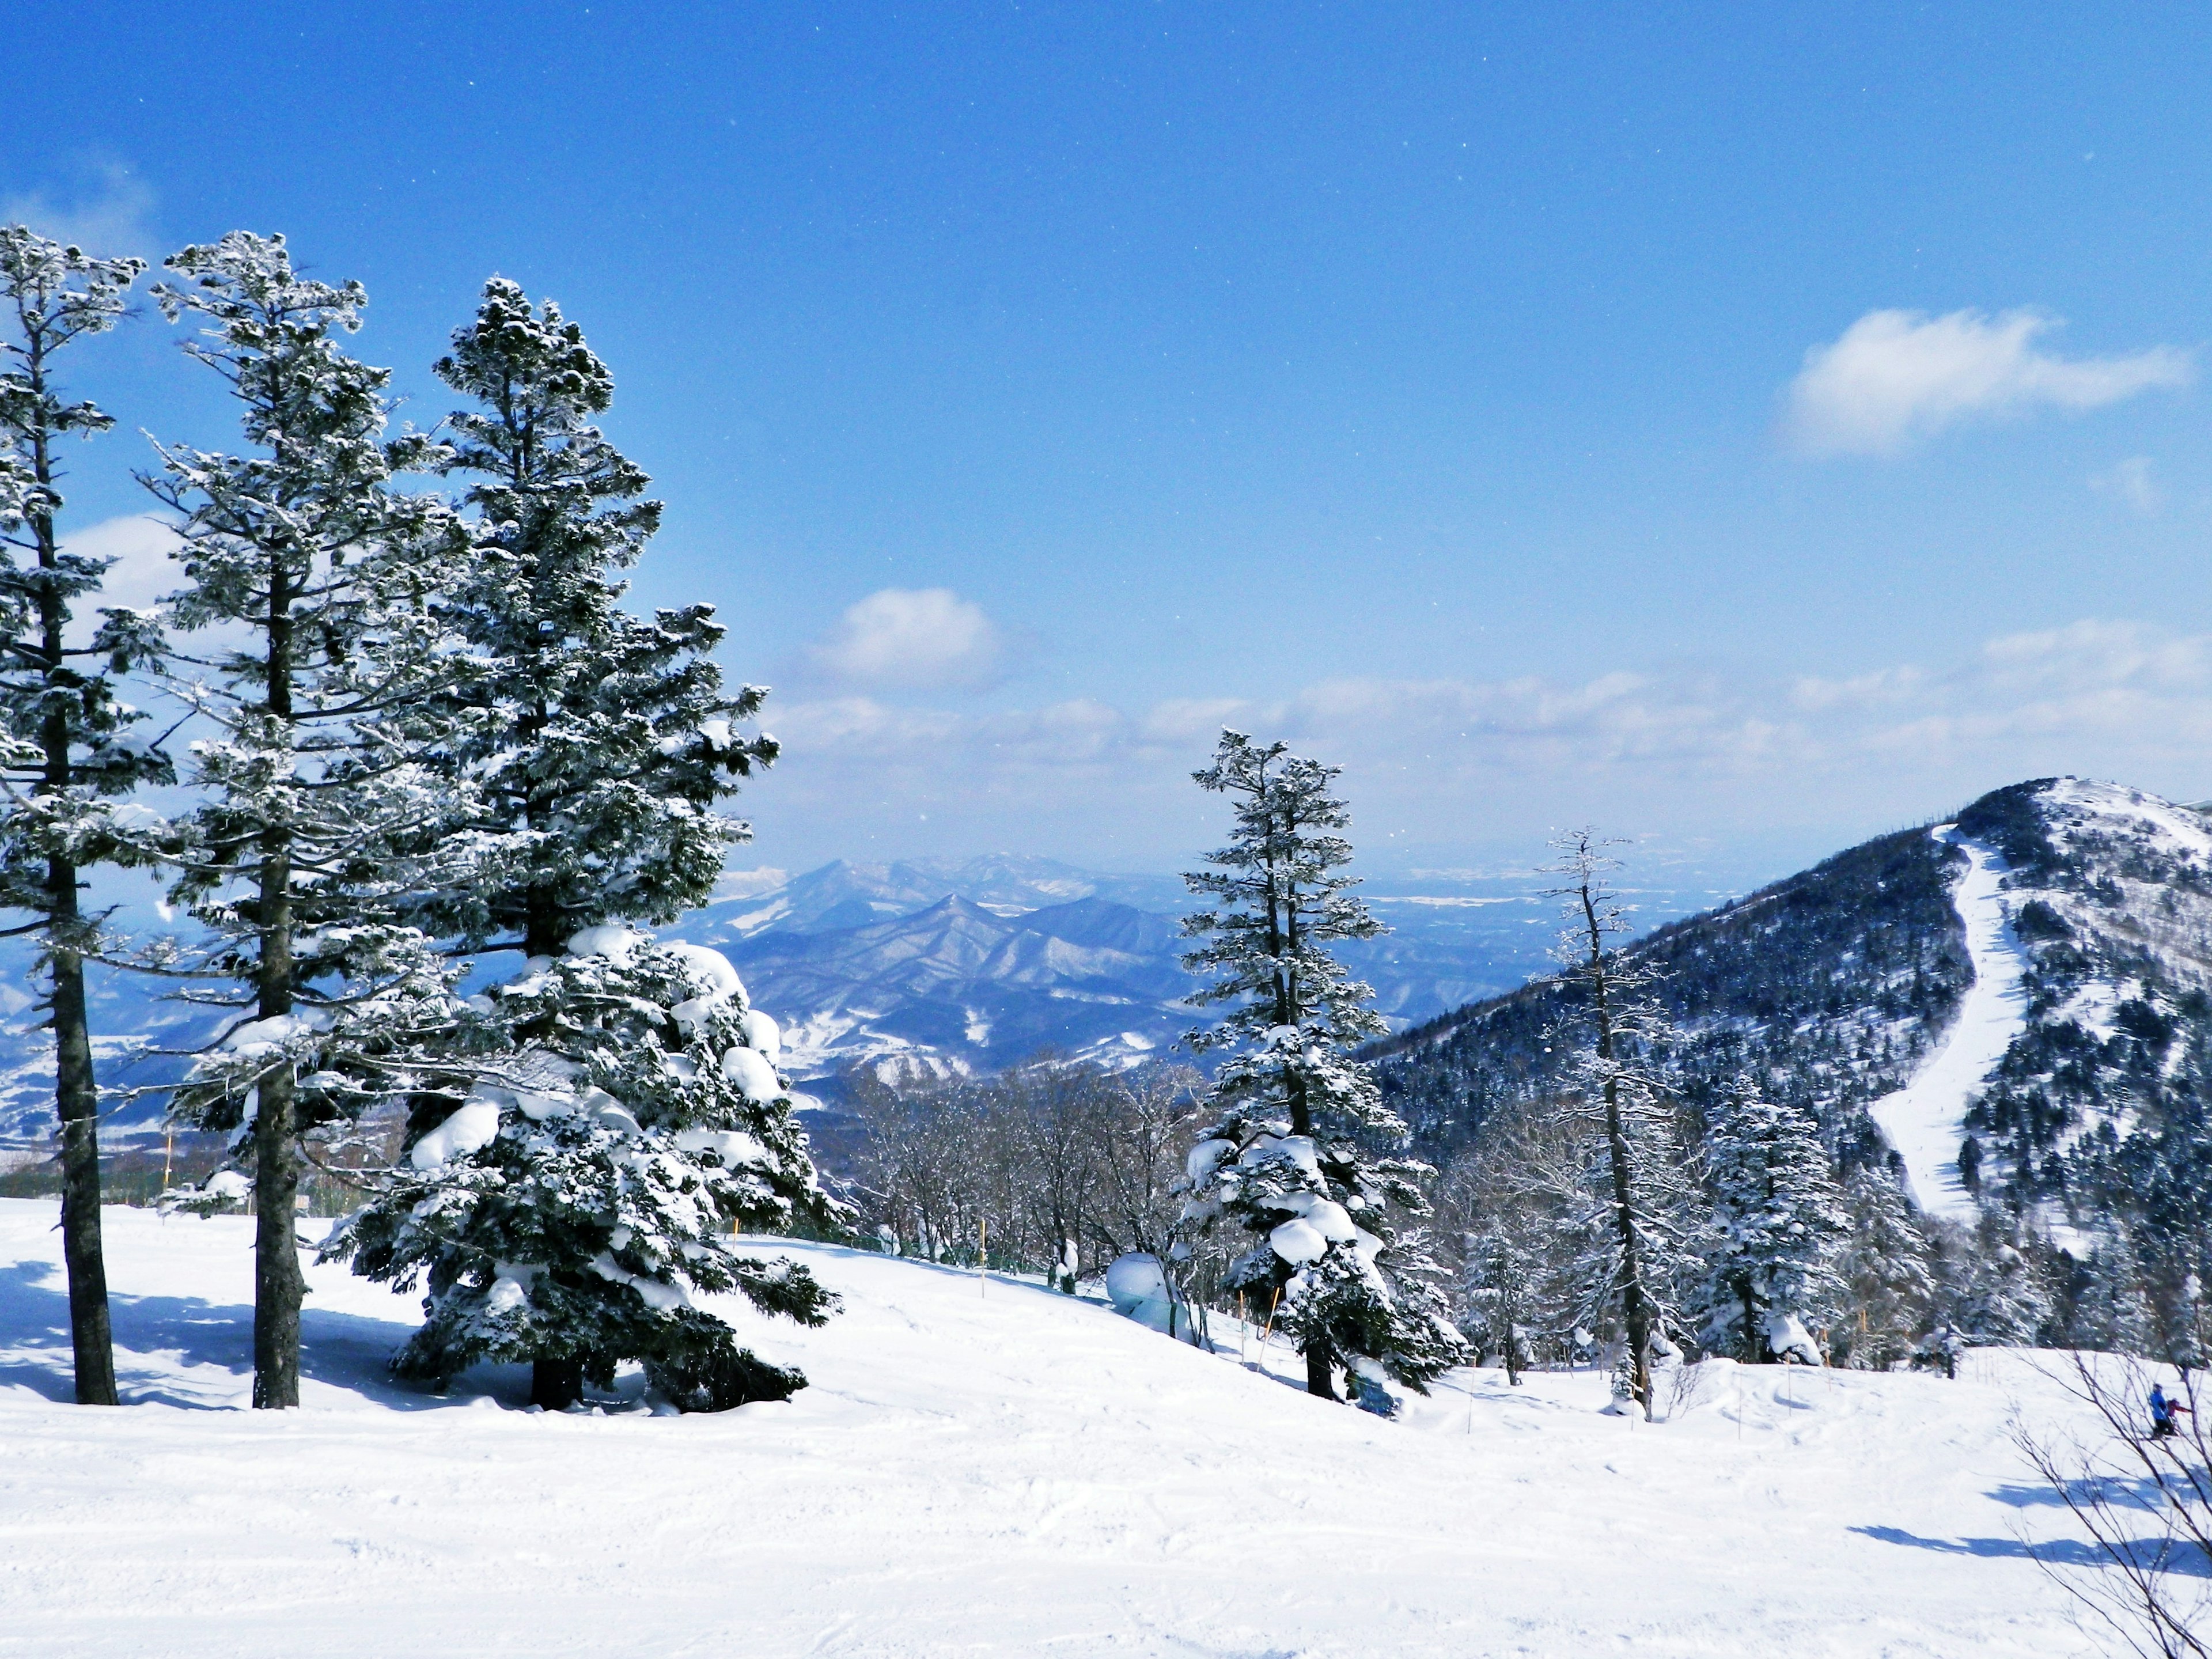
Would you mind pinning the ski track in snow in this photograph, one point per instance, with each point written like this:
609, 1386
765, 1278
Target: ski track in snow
981, 1472
1923, 1120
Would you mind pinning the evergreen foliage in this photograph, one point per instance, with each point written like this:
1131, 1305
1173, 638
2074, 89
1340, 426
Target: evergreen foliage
1286, 1160
67, 749
565, 1213
599, 743
1501, 1297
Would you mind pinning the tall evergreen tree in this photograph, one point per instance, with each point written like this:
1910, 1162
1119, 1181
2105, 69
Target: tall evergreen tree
569, 1175
1287, 1157
311, 840
70, 748
1777, 1222
1632, 1229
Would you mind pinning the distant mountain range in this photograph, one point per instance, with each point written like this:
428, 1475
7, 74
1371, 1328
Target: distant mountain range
964, 965
978, 964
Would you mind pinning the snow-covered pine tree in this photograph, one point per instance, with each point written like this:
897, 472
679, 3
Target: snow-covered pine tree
1501, 1278
565, 1213
310, 841
69, 750
567, 1181
1887, 1288
1777, 1222
1991, 1280
2112, 1311
1286, 1157
602, 742
1631, 1225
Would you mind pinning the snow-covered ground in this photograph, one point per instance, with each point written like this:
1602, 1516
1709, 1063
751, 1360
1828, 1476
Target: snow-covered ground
980, 1472
1923, 1120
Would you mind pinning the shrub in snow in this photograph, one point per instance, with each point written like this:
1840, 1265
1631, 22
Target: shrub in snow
568, 1211
1285, 1159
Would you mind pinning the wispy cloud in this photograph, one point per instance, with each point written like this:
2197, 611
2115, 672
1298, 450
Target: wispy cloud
110, 214
1459, 761
2131, 481
1897, 376
927, 638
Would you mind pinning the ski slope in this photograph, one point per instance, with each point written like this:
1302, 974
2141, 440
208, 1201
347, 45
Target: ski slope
1923, 1120
975, 1471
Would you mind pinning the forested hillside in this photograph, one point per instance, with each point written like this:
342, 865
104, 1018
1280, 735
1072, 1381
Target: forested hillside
2081, 1137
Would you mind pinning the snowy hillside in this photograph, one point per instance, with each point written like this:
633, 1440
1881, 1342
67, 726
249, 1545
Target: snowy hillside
1925, 1120
2019, 1003
976, 1471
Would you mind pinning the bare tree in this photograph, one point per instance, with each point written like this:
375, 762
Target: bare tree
1152, 1112
1621, 1098
2149, 1591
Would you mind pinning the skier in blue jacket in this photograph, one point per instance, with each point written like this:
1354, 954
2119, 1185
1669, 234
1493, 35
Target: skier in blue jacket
2163, 1410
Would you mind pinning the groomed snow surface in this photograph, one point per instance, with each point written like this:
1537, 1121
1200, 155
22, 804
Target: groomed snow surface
975, 1471
1925, 1120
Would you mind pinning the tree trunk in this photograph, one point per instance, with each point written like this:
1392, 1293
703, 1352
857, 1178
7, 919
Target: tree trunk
557, 1384
279, 1286
1320, 1369
1754, 1350
1636, 1313
77, 1097
77, 1093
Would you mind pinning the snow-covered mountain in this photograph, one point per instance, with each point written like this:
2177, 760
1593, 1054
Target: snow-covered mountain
2015, 1002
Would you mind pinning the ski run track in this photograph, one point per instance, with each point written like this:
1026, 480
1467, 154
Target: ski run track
1923, 1120
979, 1469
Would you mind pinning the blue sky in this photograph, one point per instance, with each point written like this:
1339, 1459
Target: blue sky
1035, 387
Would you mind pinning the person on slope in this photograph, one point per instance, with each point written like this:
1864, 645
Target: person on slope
2163, 1410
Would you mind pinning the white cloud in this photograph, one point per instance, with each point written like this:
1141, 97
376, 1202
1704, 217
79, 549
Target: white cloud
111, 217
1895, 376
2131, 482
1492, 762
142, 571
923, 638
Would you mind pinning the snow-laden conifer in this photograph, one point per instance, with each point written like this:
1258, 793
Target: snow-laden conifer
1778, 1224
1629, 1225
1287, 1159
1501, 1295
564, 1213
71, 748
568, 1175
309, 579
601, 742
1884, 1265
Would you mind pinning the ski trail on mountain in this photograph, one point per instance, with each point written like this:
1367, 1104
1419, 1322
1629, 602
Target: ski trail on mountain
1923, 1121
